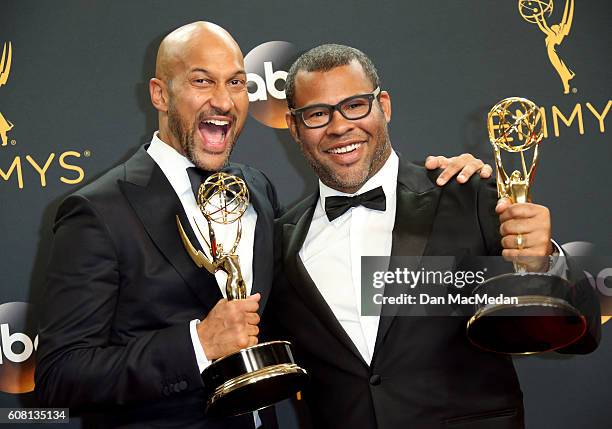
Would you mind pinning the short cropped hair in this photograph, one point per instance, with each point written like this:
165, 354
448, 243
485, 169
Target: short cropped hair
324, 58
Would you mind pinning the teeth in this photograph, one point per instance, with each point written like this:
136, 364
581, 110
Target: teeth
216, 122
345, 149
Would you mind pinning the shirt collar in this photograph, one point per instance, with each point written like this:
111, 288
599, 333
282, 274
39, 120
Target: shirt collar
173, 164
385, 177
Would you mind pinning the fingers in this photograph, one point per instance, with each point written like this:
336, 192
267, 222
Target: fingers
522, 211
486, 171
252, 341
502, 206
463, 166
525, 241
525, 229
249, 304
230, 326
255, 297
519, 226
469, 169
252, 318
433, 162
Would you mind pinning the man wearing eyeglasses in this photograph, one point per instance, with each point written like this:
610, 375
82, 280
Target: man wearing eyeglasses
371, 371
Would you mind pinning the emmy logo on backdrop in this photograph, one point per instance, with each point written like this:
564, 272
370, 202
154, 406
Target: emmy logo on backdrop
5, 69
258, 376
536, 12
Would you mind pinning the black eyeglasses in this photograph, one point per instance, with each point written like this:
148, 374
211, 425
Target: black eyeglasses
352, 108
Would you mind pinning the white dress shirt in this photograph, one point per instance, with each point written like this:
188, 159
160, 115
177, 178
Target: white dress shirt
332, 253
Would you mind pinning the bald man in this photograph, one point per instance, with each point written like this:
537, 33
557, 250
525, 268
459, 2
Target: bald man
128, 321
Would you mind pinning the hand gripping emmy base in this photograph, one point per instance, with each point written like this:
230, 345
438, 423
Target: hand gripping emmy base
258, 376
545, 318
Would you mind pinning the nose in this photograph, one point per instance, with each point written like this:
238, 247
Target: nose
339, 124
221, 99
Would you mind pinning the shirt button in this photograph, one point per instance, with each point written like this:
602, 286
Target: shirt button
183, 385
375, 380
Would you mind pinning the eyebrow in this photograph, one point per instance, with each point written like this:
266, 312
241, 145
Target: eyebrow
203, 70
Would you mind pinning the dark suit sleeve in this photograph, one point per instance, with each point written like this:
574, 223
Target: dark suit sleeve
587, 302
489, 221
78, 361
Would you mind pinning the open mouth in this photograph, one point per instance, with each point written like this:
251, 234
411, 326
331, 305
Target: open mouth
214, 132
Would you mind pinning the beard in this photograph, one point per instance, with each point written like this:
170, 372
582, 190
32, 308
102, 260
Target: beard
185, 134
353, 181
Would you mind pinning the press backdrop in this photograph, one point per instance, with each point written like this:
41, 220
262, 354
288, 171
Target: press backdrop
74, 102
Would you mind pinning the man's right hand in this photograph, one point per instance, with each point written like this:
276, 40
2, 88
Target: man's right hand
230, 326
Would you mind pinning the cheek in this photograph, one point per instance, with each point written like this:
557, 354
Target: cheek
310, 142
241, 101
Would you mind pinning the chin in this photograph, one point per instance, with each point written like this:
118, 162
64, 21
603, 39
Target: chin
211, 162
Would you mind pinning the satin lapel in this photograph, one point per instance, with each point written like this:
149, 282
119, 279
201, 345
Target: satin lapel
263, 258
297, 274
417, 201
156, 204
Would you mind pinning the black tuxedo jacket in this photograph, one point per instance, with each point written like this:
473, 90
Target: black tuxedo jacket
121, 290
424, 373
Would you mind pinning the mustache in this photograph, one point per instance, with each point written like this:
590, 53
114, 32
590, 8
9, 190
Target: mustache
216, 112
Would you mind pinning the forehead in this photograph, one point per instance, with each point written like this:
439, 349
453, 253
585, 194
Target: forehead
331, 86
215, 55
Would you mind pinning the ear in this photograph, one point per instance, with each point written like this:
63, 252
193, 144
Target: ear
292, 126
158, 91
385, 104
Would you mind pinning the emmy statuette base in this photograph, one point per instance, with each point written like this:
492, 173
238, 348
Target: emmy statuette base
544, 319
252, 379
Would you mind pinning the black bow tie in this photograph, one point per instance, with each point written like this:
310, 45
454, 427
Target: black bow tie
336, 206
197, 177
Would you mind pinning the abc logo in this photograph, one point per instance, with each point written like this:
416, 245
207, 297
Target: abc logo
17, 344
266, 67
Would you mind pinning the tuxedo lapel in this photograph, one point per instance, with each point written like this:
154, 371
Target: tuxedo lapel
297, 274
264, 230
417, 202
156, 204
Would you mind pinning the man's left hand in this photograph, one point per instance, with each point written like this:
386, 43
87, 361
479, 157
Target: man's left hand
526, 233
466, 165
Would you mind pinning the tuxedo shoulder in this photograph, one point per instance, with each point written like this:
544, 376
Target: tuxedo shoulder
103, 187
249, 172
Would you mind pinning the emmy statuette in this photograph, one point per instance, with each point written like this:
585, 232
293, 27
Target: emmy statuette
545, 317
257, 376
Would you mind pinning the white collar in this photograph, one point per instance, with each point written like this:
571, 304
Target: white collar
173, 164
385, 177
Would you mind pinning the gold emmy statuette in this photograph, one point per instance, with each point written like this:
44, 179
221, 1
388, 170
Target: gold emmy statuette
545, 317
258, 376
